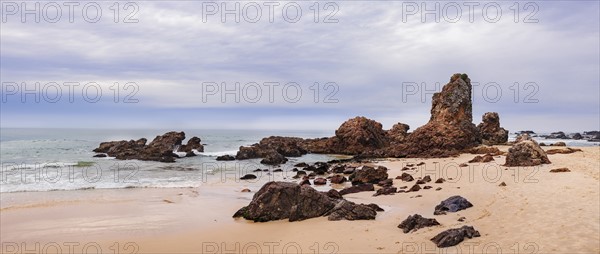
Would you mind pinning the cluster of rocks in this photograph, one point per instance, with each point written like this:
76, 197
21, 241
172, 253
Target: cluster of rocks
449, 132
591, 136
162, 148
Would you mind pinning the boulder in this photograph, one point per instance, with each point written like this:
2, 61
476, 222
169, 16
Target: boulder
368, 174
490, 130
526, 152
454, 236
320, 181
274, 158
415, 222
452, 204
385, 191
338, 179
406, 177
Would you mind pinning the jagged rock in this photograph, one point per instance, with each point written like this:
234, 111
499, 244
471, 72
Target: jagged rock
398, 133
385, 191
406, 177
454, 236
346, 210
386, 183
452, 204
427, 179
415, 222
225, 158
559, 170
563, 151
282, 200
490, 130
485, 158
450, 128
526, 152
415, 187
334, 194
193, 143
358, 188
160, 149
338, 179
369, 174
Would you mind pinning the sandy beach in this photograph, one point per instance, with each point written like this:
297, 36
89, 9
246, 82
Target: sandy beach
536, 212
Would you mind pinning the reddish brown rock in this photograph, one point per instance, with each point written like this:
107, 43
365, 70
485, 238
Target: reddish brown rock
526, 152
490, 130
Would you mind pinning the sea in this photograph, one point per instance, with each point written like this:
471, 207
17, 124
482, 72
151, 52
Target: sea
40, 159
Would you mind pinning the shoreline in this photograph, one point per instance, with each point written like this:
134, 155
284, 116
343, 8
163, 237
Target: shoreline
186, 220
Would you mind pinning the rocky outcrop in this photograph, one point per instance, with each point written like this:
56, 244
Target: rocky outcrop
454, 236
415, 222
398, 133
283, 200
160, 149
452, 204
490, 130
450, 128
273, 150
526, 152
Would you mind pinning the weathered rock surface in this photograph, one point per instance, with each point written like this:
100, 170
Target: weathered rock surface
415, 222
368, 174
526, 152
283, 200
406, 177
450, 128
160, 149
454, 236
490, 130
385, 191
452, 204
358, 188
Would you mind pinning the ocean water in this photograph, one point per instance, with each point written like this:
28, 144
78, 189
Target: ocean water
62, 159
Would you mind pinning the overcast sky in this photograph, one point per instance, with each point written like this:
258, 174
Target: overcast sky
376, 60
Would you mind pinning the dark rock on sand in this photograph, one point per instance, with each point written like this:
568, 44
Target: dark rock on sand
490, 130
485, 158
385, 191
559, 170
526, 152
375, 207
415, 222
358, 188
452, 204
248, 177
406, 177
415, 187
334, 194
346, 210
386, 183
563, 151
225, 158
368, 174
454, 236
282, 200
440, 180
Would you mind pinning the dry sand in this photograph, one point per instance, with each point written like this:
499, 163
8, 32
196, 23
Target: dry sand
537, 212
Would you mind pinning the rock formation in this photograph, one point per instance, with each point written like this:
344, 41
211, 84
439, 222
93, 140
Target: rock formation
415, 222
454, 236
490, 130
525, 152
160, 149
452, 204
450, 128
